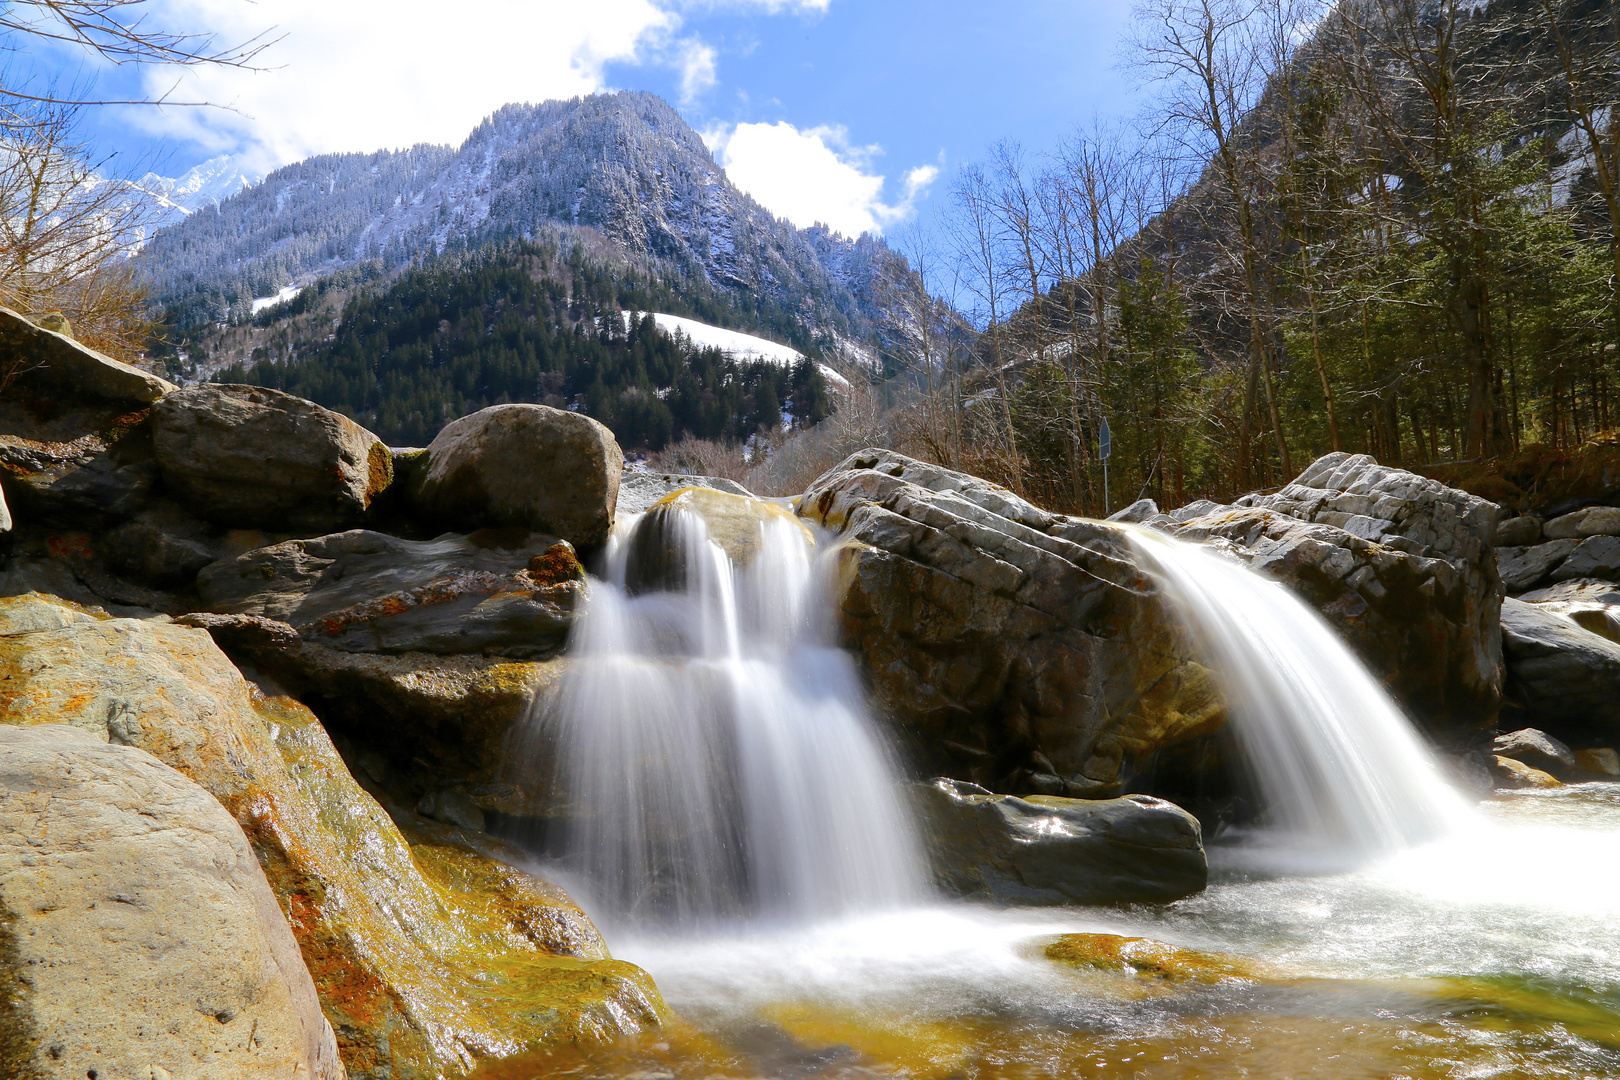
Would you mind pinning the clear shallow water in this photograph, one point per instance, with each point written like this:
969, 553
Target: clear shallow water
1494, 953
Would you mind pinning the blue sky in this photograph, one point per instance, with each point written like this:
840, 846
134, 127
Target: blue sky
854, 112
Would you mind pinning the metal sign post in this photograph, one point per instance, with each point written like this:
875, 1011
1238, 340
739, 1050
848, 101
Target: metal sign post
1105, 447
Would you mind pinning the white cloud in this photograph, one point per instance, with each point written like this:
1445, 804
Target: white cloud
366, 74
814, 175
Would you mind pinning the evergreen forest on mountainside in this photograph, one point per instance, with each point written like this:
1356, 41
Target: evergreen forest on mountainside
514, 323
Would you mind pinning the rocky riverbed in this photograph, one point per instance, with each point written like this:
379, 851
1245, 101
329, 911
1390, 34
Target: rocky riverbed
260, 673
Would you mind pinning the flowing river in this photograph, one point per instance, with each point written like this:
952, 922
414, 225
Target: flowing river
755, 860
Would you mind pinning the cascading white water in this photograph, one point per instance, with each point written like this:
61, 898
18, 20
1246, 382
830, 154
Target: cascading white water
1343, 772
713, 745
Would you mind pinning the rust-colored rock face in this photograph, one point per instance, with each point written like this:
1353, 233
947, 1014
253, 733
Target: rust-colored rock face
103, 845
429, 959
1019, 649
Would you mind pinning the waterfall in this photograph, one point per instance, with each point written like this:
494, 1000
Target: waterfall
712, 744
1344, 774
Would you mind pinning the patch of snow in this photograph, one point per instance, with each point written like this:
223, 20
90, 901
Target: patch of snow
734, 343
262, 302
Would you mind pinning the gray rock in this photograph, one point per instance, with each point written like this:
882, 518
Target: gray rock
1519, 531
1592, 521
529, 466
1599, 761
1522, 567
1596, 557
1536, 749
140, 937
1006, 642
57, 367
1592, 603
162, 546
639, 489
241, 632
1401, 565
248, 456
1138, 511
1045, 850
1561, 678
452, 808
501, 591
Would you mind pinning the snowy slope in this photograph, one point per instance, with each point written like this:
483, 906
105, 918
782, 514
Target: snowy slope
735, 344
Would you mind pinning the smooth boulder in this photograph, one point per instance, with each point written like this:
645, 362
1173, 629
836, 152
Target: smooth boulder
138, 935
422, 975
506, 592
1521, 531
1592, 521
1046, 850
247, 456
1561, 678
529, 466
1536, 749
53, 366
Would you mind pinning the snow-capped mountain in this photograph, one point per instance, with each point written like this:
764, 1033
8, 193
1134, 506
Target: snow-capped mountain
208, 184
620, 171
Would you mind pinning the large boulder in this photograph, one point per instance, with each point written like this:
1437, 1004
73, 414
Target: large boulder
1592, 521
1020, 649
1562, 678
421, 975
1044, 850
1522, 568
251, 456
529, 466
507, 592
1401, 565
1594, 557
138, 935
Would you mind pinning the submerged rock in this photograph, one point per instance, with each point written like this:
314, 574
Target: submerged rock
1561, 678
250, 456
1400, 565
1046, 850
529, 466
137, 931
1145, 958
1007, 643
418, 981
500, 591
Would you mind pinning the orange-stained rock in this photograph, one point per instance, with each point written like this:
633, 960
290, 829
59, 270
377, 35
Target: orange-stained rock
427, 961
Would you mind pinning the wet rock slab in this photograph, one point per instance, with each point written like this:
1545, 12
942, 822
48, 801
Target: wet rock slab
1049, 850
